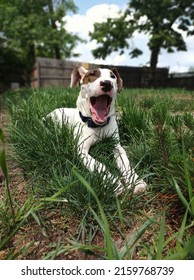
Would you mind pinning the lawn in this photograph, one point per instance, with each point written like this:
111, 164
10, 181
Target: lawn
51, 207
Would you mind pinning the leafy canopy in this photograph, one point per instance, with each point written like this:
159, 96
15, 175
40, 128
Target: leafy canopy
154, 17
36, 27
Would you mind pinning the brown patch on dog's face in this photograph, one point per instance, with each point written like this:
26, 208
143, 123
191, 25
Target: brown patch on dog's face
91, 76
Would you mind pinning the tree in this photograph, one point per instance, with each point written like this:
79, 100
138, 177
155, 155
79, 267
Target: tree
30, 28
153, 17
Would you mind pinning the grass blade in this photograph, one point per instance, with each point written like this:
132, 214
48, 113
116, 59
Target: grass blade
188, 179
8, 238
186, 253
103, 222
181, 231
130, 243
3, 165
161, 238
2, 137
120, 212
180, 194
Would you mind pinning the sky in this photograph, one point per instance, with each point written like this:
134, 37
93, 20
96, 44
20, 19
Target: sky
84, 5
90, 12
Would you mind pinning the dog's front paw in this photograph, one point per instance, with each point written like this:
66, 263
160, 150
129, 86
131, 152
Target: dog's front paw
140, 186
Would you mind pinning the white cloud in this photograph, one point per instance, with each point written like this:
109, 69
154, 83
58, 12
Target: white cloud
99, 13
83, 24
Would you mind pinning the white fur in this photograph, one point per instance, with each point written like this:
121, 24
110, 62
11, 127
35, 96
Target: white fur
88, 136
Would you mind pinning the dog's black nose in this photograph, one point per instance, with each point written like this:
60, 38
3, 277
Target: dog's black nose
106, 85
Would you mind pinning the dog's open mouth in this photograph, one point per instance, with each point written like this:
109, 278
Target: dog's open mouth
99, 107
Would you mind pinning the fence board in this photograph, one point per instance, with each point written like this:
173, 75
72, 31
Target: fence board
53, 72
182, 80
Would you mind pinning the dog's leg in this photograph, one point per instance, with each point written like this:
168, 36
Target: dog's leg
129, 175
92, 164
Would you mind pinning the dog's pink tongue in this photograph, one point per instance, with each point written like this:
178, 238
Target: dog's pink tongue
99, 109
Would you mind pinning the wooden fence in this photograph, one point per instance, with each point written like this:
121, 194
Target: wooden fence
53, 72
49, 72
182, 80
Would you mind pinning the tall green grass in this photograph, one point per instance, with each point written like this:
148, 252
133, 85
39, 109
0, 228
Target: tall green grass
153, 136
153, 132
47, 153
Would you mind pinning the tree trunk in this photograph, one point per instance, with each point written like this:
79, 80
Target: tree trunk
153, 64
31, 55
30, 58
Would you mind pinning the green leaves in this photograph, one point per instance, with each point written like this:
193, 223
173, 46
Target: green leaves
112, 35
135, 53
29, 29
155, 18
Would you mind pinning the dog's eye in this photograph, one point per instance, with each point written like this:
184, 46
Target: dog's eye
112, 76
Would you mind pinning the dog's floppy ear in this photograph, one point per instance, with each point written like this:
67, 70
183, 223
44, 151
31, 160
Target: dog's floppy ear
119, 80
77, 74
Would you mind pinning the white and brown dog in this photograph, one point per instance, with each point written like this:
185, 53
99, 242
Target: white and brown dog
95, 118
